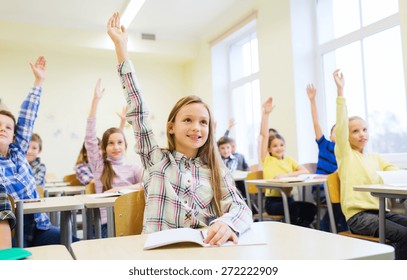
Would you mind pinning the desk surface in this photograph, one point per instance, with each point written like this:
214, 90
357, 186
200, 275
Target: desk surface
386, 189
52, 204
96, 202
49, 252
285, 242
308, 182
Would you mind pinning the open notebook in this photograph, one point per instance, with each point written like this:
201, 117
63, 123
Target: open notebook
396, 178
182, 235
288, 180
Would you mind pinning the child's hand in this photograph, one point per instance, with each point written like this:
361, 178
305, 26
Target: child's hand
219, 233
339, 79
268, 105
231, 123
122, 115
39, 70
98, 93
311, 91
116, 32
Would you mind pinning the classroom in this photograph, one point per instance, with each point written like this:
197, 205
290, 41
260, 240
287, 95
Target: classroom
184, 47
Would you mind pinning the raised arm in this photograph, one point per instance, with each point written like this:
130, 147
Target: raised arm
97, 96
267, 108
311, 92
230, 125
39, 71
339, 81
342, 122
118, 35
122, 117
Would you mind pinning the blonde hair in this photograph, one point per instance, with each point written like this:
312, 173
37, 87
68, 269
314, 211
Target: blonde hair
108, 173
207, 153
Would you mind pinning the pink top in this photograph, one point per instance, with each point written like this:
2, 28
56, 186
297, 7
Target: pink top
126, 174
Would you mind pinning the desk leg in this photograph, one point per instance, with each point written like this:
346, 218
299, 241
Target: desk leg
260, 203
110, 222
96, 221
66, 229
286, 208
382, 219
20, 224
318, 206
88, 212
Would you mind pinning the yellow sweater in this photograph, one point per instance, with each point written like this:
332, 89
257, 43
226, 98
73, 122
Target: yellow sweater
355, 168
273, 166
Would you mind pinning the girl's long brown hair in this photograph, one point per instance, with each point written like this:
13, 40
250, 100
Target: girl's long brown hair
108, 173
207, 153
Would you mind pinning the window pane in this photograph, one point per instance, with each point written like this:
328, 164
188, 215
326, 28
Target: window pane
243, 58
386, 99
348, 59
337, 18
374, 10
246, 106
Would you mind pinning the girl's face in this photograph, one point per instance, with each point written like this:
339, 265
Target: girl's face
277, 148
116, 146
358, 134
33, 151
190, 129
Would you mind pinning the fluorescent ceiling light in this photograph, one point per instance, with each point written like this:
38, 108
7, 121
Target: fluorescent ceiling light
131, 11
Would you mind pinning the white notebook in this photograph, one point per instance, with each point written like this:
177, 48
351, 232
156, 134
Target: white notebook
396, 178
181, 235
112, 194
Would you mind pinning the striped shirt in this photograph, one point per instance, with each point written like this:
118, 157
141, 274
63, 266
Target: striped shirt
5, 208
15, 171
39, 171
178, 189
326, 156
83, 173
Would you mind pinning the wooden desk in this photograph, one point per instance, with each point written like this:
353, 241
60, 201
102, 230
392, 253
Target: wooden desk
279, 186
92, 206
56, 184
383, 192
239, 175
285, 242
49, 252
63, 204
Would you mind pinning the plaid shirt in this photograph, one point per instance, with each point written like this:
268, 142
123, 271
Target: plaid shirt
5, 208
84, 173
15, 171
39, 171
231, 163
178, 189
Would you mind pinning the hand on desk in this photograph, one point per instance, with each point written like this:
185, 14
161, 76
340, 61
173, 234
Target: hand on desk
219, 233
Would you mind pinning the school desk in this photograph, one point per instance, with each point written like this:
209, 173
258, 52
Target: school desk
92, 206
280, 186
63, 204
283, 242
49, 252
383, 192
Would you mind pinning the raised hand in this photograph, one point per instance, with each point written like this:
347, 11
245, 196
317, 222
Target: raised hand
118, 35
38, 69
339, 81
311, 91
231, 123
268, 105
98, 92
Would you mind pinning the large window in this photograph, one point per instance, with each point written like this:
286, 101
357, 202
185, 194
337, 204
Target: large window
245, 94
362, 38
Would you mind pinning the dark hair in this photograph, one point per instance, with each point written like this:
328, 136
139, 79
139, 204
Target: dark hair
332, 128
108, 173
225, 140
273, 130
36, 138
10, 115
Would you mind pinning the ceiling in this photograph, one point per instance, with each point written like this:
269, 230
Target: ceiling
185, 20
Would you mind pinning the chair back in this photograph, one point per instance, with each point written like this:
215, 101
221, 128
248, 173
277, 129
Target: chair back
72, 180
40, 191
13, 208
311, 167
334, 187
255, 175
90, 188
129, 213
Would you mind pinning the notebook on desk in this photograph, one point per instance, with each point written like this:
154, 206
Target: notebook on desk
397, 178
112, 194
287, 180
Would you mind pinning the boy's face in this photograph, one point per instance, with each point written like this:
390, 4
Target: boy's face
358, 134
6, 133
33, 151
225, 150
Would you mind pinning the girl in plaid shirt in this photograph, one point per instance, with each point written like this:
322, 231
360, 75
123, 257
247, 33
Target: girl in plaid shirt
186, 186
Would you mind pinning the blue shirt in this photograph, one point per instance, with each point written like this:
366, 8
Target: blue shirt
15, 171
326, 156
